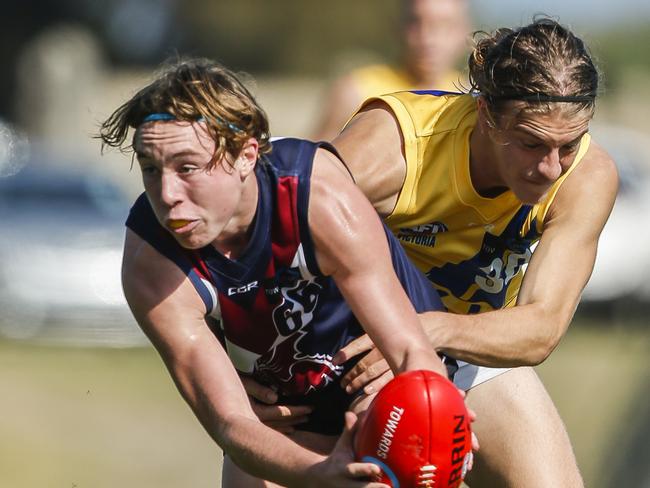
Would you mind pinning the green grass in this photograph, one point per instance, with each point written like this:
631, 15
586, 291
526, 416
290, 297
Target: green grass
96, 418
596, 377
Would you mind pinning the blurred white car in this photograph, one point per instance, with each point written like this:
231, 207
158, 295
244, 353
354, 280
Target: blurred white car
623, 262
60, 258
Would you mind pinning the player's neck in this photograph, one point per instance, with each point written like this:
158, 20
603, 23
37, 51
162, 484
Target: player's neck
483, 171
234, 239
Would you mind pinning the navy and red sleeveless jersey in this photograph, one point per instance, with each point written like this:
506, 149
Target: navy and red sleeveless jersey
277, 316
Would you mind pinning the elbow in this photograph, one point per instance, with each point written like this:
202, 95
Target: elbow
539, 352
545, 333
227, 438
546, 340
233, 437
227, 433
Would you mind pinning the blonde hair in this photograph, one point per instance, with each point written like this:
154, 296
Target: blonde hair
189, 90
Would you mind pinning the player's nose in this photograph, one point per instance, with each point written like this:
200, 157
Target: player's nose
550, 167
170, 189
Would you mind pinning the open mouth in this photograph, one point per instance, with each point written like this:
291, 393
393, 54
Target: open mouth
180, 226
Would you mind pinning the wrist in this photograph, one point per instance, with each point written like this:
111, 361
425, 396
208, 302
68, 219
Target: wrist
313, 473
433, 324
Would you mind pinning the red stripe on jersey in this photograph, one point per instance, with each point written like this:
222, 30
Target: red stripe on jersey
199, 265
285, 234
250, 327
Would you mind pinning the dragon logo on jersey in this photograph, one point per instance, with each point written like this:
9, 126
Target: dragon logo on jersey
302, 374
422, 235
287, 365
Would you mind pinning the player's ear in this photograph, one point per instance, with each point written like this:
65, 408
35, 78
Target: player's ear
486, 122
484, 116
248, 157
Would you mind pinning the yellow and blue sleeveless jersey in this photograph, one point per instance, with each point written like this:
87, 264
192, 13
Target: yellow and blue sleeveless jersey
473, 249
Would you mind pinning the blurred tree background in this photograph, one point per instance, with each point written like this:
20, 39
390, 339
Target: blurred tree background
292, 37
288, 38
81, 417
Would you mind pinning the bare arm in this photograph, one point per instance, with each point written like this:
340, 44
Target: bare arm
170, 312
352, 247
379, 170
557, 273
559, 269
372, 148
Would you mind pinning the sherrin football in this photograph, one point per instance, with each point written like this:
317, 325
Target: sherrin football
417, 431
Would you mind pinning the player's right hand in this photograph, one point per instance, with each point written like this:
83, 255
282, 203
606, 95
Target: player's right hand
282, 418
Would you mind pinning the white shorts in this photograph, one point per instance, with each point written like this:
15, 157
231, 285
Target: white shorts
470, 375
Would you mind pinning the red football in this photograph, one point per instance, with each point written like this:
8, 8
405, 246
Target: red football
417, 431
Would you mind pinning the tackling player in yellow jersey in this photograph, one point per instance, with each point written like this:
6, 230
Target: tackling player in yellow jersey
470, 183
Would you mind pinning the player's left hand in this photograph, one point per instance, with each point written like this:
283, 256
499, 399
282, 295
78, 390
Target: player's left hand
282, 418
372, 371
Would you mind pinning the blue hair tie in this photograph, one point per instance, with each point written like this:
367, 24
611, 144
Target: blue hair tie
230, 125
165, 116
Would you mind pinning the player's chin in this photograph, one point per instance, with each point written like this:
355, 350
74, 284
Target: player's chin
192, 242
532, 194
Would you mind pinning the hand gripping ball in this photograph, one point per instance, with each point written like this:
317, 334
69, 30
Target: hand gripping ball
417, 430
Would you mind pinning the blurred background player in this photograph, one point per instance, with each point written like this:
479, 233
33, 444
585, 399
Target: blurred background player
434, 36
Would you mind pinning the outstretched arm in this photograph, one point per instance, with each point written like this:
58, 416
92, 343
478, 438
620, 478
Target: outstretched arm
557, 273
171, 314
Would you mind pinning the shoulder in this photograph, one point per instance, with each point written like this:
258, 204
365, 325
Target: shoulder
599, 159
143, 266
338, 210
587, 196
596, 176
376, 120
371, 146
149, 279
330, 179
426, 111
